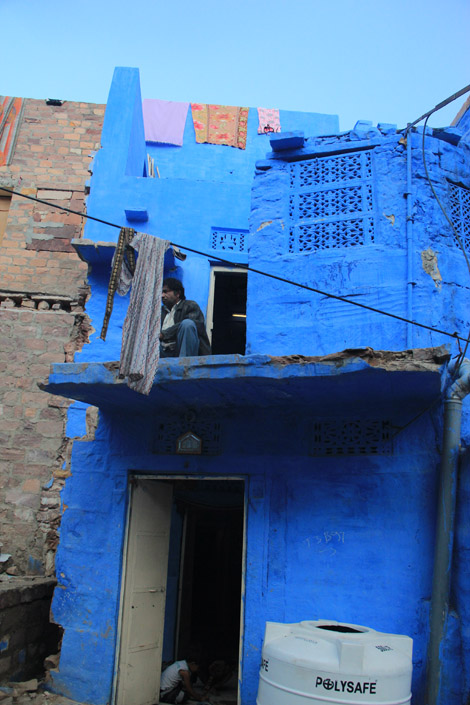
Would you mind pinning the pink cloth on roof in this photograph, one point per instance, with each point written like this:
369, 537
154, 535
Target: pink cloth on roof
268, 120
164, 121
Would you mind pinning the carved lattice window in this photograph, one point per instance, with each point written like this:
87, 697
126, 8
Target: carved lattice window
351, 437
331, 202
460, 212
229, 240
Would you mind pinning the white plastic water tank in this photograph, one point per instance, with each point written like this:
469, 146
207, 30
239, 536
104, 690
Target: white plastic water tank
333, 662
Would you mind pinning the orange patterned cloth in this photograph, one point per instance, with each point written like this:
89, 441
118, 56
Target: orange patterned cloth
220, 124
11, 112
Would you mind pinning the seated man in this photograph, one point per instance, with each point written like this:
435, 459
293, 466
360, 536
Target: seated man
183, 332
215, 675
175, 682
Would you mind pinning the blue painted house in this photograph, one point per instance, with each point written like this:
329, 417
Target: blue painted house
293, 474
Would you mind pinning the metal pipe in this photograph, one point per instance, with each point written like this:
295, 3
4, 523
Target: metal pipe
445, 528
409, 243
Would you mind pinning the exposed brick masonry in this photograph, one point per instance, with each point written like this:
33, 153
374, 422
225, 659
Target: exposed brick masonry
53, 152
41, 321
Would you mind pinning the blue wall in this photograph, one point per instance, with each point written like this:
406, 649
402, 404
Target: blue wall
346, 538
201, 186
386, 272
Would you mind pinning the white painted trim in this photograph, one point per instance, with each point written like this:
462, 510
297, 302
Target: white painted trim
117, 653
242, 592
179, 476
215, 269
180, 581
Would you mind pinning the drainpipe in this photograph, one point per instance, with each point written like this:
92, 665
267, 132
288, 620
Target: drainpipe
409, 242
445, 526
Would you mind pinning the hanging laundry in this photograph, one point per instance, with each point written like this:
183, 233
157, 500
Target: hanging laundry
268, 120
117, 281
164, 121
220, 124
11, 113
140, 350
122, 271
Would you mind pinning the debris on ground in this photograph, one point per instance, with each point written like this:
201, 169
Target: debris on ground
30, 693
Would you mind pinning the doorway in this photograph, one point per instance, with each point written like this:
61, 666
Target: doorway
182, 589
226, 316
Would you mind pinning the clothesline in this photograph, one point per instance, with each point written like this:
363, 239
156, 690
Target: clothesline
165, 120
249, 268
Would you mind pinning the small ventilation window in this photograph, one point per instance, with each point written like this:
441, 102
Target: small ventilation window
228, 240
331, 202
337, 437
459, 197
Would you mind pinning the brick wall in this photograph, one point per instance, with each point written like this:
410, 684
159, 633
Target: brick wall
42, 320
54, 149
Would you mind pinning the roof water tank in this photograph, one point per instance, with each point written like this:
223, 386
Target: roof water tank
332, 662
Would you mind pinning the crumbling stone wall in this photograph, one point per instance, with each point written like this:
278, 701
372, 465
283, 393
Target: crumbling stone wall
42, 320
26, 636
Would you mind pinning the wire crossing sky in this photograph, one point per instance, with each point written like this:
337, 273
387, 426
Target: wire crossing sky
250, 268
359, 59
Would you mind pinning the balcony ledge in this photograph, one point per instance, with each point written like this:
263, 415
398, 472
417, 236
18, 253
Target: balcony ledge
363, 380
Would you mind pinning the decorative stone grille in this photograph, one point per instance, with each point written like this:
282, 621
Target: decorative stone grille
351, 437
460, 212
229, 240
168, 432
331, 202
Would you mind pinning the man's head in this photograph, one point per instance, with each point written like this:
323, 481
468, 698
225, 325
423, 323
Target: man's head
193, 665
193, 658
172, 292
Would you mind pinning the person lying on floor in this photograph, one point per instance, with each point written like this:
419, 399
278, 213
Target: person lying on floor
175, 682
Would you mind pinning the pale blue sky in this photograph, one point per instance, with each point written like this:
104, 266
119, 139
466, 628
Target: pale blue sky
380, 61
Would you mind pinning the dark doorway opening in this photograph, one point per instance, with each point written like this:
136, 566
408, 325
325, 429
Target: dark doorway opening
229, 313
206, 552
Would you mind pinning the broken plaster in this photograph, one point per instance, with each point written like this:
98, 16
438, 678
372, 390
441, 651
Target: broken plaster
429, 260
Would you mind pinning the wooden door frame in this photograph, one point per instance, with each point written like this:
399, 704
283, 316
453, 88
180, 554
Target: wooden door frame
132, 477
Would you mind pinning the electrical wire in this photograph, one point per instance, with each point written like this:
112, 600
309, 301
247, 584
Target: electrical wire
439, 106
418, 415
248, 268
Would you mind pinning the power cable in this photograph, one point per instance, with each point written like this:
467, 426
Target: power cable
439, 106
248, 268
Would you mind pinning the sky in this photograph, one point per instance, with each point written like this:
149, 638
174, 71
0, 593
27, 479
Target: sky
361, 60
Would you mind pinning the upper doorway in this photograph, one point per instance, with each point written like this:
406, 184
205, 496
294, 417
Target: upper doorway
226, 314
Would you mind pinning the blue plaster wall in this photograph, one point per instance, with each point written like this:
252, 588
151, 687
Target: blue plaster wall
376, 274
88, 569
200, 186
347, 539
